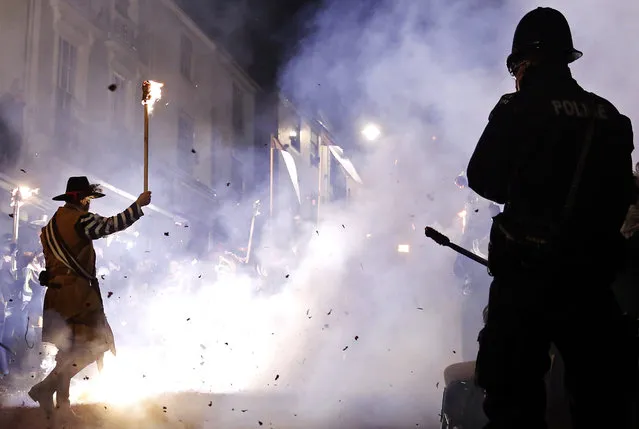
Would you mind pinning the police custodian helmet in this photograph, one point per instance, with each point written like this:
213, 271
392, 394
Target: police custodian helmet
543, 30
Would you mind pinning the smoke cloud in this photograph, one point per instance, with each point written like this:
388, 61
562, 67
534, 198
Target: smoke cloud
355, 333
421, 69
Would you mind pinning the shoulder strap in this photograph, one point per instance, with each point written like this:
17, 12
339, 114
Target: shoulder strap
576, 180
61, 251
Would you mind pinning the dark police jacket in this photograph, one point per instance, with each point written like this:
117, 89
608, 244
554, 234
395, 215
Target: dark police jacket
528, 153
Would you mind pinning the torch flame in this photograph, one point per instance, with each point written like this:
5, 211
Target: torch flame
151, 93
25, 193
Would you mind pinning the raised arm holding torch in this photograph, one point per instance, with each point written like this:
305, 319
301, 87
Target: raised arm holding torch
151, 92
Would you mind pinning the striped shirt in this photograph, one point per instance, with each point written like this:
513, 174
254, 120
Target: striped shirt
94, 226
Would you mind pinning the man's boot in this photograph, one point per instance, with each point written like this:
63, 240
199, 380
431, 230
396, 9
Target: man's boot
42, 393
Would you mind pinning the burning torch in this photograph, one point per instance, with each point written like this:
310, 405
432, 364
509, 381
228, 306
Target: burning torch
151, 92
19, 196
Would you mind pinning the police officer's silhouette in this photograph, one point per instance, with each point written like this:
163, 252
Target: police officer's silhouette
559, 158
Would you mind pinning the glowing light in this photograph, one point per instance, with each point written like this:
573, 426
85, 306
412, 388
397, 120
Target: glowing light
463, 215
403, 248
371, 132
216, 339
292, 134
152, 94
224, 347
25, 193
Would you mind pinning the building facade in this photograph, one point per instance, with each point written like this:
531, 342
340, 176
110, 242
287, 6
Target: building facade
73, 87
319, 164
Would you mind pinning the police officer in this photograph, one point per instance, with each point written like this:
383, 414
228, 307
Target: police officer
559, 158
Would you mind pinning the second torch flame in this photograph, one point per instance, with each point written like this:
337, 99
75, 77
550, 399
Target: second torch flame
152, 92
25, 193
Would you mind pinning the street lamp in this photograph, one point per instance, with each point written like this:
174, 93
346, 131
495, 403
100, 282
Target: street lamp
371, 132
403, 248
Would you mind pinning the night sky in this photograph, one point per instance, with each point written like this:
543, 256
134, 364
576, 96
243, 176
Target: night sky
260, 34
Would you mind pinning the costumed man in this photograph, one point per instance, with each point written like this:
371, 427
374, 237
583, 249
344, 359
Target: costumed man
559, 158
476, 219
74, 319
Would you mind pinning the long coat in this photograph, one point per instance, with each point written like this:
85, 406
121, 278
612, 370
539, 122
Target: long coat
73, 309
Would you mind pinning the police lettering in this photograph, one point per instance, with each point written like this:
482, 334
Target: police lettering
578, 109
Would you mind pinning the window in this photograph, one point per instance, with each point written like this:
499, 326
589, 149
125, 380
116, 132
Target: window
237, 182
65, 88
186, 57
186, 134
122, 7
314, 148
122, 32
294, 135
338, 180
118, 97
238, 111
67, 61
215, 146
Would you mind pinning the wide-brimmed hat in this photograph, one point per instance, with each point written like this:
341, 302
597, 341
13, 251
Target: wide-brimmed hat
79, 188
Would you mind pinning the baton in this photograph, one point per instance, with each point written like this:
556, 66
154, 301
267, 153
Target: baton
442, 240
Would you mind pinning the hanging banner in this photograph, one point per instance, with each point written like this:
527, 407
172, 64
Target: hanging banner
289, 161
292, 172
338, 153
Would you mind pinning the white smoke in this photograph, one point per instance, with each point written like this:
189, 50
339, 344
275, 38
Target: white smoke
359, 333
422, 69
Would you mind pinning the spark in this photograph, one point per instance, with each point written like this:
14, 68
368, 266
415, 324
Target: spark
214, 352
